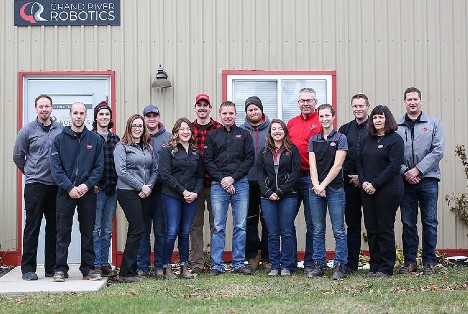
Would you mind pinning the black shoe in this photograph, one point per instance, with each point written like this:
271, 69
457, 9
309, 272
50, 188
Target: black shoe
428, 270
339, 273
243, 271
215, 272
407, 269
317, 271
49, 275
29, 276
130, 279
381, 275
197, 270
59, 276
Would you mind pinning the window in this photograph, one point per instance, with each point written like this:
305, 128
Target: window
278, 90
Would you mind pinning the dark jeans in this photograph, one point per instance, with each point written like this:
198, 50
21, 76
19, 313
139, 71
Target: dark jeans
179, 217
425, 195
303, 189
39, 201
353, 217
253, 243
136, 212
86, 207
379, 219
157, 222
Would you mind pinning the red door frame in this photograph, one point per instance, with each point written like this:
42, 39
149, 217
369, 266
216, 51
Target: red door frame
14, 257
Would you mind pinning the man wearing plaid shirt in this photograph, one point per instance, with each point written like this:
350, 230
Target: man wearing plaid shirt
201, 127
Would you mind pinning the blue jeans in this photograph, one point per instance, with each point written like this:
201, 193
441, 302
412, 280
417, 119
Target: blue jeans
220, 200
179, 217
157, 221
279, 218
424, 194
303, 189
335, 200
102, 233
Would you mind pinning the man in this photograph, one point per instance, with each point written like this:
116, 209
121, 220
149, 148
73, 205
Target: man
257, 123
202, 125
32, 157
355, 131
229, 155
106, 191
77, 162
159, 137
301, 129
423, 136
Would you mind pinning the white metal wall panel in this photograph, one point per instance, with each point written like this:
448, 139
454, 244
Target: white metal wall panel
376, 47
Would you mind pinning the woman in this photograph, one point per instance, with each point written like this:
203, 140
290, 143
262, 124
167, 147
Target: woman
182, 174
278, 172
382, 188
137, 171
327, 152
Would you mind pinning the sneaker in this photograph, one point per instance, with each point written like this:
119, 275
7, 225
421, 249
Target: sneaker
159, 274
308, 269
317, 271
285, 272
59, 276
381, 275
142, 273
130, 279
107, 271
215, 272
407, 269
197, 270
29, 276
428, 270
273, 273
92, 276
98, 270
371, 274
338, 274
243, 271
49, 275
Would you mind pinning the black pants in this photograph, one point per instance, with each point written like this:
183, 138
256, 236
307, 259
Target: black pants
86, 207
39, 201
136, 211
353, 215
253, 243
379, 218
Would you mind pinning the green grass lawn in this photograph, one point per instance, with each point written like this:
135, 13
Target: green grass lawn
445, 292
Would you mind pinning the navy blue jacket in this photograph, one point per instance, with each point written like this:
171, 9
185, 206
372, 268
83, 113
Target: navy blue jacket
76, 160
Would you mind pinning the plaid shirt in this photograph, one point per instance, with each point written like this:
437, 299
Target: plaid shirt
200, 137
108, 181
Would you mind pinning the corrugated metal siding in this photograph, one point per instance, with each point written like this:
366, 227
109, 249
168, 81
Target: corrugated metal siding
376, 47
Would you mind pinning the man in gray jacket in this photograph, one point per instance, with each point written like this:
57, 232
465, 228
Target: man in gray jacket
424, 148
32, 157
257, 123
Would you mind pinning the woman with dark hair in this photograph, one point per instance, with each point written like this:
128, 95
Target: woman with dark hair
382, 188
327, 152
136, 167
182, 174
278, 172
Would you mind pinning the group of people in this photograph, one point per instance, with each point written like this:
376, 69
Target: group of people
263, 169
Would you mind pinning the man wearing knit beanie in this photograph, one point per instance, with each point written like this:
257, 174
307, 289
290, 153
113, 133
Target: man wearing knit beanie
257, 123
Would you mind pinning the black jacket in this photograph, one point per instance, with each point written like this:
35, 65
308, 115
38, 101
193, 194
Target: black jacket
181, 171
284, 182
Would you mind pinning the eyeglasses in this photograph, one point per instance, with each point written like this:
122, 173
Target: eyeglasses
308, 101
137, 126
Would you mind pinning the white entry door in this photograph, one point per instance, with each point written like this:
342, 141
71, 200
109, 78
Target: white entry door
64, 90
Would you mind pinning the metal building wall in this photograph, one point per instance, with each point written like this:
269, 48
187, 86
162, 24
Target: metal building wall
376, 47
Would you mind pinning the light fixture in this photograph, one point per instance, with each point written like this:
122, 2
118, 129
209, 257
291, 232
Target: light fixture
161, 81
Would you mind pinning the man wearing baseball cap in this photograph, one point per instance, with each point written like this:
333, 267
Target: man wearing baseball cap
257, 123
159, 137
202, 125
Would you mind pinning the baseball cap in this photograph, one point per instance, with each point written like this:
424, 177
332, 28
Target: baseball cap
204, 97
151, 109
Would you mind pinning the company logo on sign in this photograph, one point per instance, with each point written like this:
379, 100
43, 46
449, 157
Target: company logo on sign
67, 12
31, 12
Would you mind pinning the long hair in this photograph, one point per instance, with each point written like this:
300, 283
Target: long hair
127, 138
390, 123
270, 143
174, 140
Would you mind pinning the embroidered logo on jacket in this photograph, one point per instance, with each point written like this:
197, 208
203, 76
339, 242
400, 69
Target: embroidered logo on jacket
89, 147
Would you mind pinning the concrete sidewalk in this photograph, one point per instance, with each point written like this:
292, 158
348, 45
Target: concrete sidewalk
12, 283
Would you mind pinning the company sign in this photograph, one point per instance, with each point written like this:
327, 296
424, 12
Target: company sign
67, 12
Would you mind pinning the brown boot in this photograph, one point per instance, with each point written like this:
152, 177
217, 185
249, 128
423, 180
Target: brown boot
169, 274
184, 272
